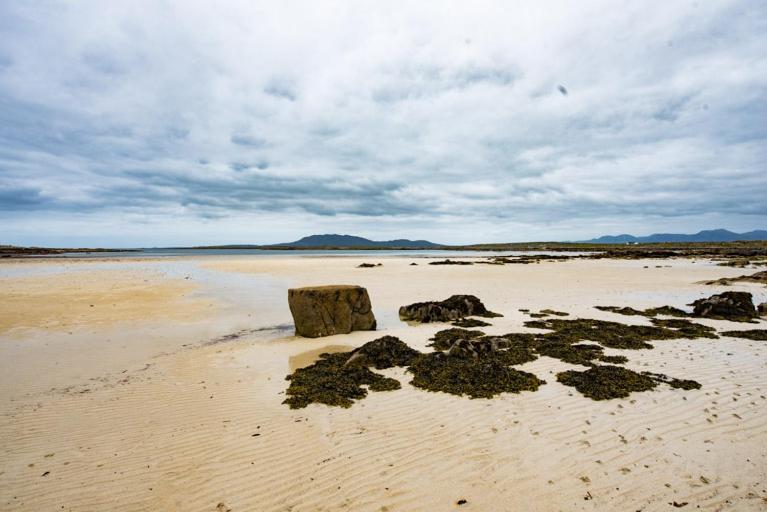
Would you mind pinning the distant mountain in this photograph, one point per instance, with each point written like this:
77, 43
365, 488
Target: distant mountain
356, 241
711, 235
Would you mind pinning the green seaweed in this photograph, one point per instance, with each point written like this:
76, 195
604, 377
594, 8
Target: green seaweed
608, 334
482, 377
614, 359
685, 328
470, 322
382, 353
752, 334
329, 381
445, 338
337, 379
555, 313
674, 383
650, 312
607, 382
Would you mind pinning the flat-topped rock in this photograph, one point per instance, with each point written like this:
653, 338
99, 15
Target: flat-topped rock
334, 309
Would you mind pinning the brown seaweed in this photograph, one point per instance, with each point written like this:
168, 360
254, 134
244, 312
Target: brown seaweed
470, 322
753, 334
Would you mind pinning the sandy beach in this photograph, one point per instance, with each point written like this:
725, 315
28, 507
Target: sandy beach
157, 384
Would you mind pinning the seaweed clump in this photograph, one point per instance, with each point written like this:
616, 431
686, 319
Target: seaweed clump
649, 312
477, 377
608, 334
382, 353
607, 382
444, 339
329, 381
470, 322
337, 379
753, 334
685, 328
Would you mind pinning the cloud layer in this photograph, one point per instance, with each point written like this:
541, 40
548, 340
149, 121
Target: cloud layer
191, 122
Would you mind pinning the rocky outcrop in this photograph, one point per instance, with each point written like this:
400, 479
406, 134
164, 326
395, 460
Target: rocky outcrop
327, 310
737, 306
457, 306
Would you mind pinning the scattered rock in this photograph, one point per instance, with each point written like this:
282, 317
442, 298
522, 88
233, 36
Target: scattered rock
369, 265
734, 306
327, 310
454, 308
414, 264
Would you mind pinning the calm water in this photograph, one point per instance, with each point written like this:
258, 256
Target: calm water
152, 253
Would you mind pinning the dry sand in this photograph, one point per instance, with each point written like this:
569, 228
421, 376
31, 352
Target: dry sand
183, 417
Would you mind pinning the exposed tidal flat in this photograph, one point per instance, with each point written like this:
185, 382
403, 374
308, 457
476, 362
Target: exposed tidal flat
155, 383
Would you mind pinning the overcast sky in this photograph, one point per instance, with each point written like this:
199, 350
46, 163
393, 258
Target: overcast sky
145, 123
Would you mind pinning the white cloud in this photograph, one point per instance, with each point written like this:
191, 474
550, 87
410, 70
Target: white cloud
148, 123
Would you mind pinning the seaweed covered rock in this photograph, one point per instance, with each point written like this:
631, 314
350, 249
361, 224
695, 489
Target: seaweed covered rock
327, 310
382, 353
480, 377
454, 308
606, 382
735, 306
330, 381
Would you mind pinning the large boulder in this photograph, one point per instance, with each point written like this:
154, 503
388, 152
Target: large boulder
457, 306
737, 306
327, 310
762, 309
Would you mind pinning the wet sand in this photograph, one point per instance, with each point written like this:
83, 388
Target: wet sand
171, 398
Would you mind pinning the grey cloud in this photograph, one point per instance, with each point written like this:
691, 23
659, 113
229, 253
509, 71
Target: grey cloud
174, 118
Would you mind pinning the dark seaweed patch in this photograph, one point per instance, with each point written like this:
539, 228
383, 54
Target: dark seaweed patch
470, 322
650, 312
753, 334
480, 377
607, 382
608, 334
674, 383
329, 381
382, 353
685, 328
444, 339
614, 359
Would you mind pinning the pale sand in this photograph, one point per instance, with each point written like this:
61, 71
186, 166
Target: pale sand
167, 422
